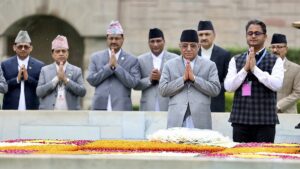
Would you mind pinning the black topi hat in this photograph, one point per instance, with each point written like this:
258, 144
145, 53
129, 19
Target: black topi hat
189, 35
205, 25
278, 38
155, 33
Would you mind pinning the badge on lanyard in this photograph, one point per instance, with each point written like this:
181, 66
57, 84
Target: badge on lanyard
246, 89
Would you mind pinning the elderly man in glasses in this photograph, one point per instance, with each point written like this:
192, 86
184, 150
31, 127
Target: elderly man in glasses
60, 85
22, 74
289, 94
189, 81
254, 76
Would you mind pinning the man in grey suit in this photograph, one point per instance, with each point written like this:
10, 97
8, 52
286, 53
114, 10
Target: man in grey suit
113, 73
151, 65
60, 84
189, 81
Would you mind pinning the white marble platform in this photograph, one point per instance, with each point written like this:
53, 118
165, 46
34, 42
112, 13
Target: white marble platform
138, 162
93, 125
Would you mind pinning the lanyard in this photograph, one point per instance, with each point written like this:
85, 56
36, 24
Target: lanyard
261, 58
263, 55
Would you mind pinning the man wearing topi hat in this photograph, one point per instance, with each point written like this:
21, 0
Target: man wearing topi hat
289, 94
113, 72
22, 74
151, 65
216, 54
60, 85
189, 81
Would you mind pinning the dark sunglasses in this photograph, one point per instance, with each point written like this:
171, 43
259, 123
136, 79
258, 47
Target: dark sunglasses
21, 47
61, 50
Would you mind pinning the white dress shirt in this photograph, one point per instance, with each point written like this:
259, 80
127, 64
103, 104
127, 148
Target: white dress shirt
188, 122
61, 102
206, 53
109, 107
156, 60
274, 81
22, 102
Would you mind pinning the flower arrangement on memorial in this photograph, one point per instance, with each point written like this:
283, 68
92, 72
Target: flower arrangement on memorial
202, 143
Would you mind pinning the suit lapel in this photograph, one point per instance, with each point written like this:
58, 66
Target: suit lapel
181, 65
69, 71
15, 65
30, 66
286, 65
122, 58
196, 65
214, 55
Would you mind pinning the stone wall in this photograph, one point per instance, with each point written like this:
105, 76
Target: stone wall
90, 19
93, 125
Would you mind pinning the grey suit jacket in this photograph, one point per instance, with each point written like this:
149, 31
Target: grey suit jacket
116, 83
197, 94
3, 84
150, 92
289, 94
74, 89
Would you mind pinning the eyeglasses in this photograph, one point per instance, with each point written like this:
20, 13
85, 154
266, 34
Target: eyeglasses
255, 33
186, 45
61, 50
21, 47
277, 47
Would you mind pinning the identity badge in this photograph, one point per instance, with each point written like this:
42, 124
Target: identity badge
246, 89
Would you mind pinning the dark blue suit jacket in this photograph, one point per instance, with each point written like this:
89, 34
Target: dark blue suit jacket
221, 57
10, 72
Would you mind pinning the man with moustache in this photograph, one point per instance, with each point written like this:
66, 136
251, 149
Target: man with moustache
254, 77
21, 73
151, 65
289, 94
221, 57
113, 72
61, 83
189, 81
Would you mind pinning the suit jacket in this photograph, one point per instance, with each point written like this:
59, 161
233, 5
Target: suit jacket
116, 83
3, 84
221, 57
74, 89
197, 94
10, 72
150, 92
289, 94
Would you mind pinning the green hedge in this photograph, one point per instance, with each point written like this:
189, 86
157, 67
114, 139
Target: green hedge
229, 101
293, 53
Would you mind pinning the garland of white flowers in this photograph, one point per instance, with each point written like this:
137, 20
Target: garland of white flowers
191, 136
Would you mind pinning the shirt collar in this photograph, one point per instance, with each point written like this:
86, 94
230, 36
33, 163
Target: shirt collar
209, 49
23, 62
57, 66
117, 54
160, 56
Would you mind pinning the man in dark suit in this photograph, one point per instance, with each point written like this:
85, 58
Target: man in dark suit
216, 54
22, 74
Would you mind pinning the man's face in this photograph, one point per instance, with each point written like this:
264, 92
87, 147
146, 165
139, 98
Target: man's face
22, 49
189, 50
115, 42
255, 36
279, 49
206, 38
156, 45
60, 55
